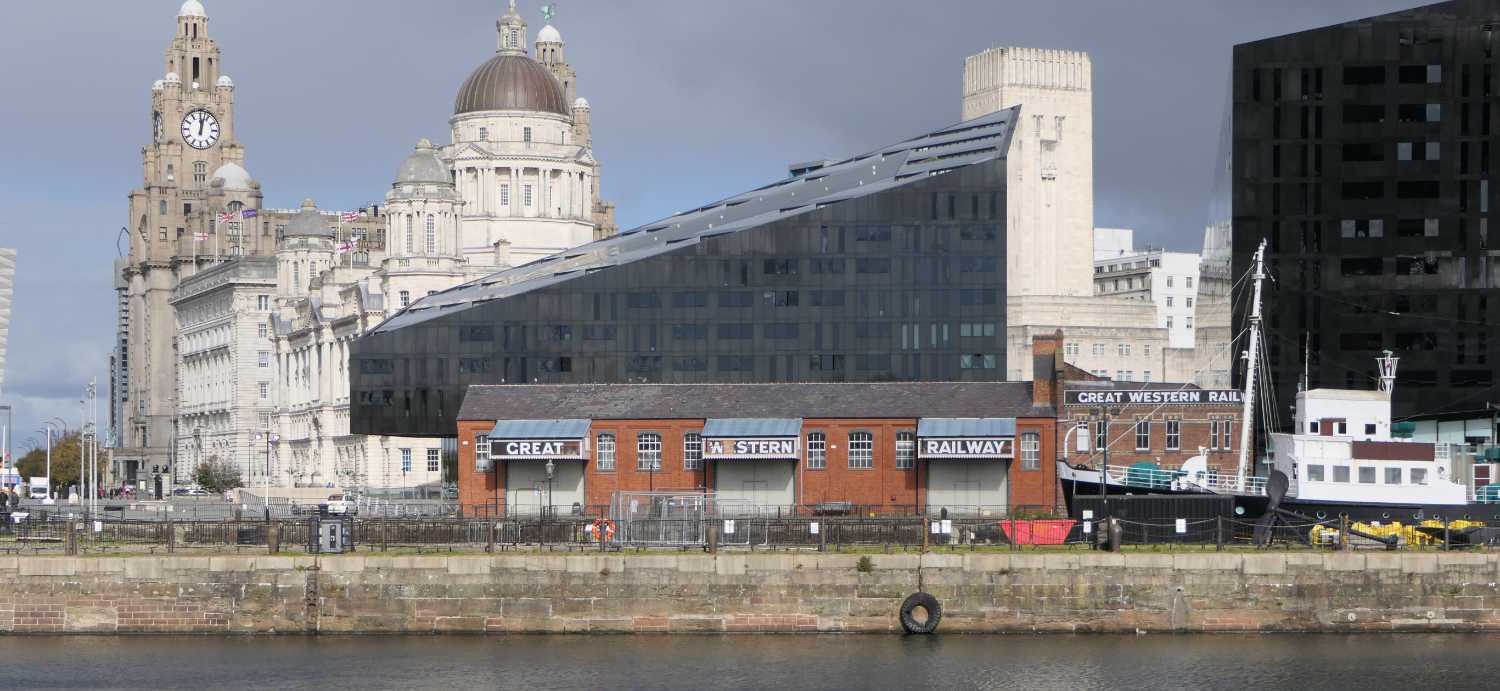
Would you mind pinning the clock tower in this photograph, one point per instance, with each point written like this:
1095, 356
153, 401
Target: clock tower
193, 169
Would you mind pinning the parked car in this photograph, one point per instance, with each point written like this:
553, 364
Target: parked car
338, 505
189, 492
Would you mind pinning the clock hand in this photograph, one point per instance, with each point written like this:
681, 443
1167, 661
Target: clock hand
200, 125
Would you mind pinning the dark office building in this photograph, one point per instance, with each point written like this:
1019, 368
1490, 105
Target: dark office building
888, 266
1362, 155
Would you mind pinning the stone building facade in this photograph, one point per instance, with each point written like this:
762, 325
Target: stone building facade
519, 177
224, 369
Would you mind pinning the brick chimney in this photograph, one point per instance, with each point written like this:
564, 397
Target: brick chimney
1046, 362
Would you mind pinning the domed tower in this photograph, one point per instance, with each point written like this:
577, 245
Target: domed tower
549, 52
306, 251
517, 162
423, 253
231, 190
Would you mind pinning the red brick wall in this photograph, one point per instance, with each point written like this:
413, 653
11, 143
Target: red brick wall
1035, 490
882, 488
479, 494
599, 487
1122, 452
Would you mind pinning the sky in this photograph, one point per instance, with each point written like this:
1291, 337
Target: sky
693, 100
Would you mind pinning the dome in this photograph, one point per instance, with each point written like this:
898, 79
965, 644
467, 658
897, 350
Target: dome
158, 85
308, 223
423, 166
548, 34
234, 177
191, 8
581, 102
224, 80
511, 81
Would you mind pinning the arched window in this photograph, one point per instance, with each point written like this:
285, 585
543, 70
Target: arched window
410, 243
1031, 451
604, 449
431, 234
648, 451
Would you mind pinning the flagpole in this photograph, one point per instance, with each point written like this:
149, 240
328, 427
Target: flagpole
216, 239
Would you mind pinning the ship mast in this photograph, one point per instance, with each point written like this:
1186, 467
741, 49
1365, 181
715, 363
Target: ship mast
1252, 358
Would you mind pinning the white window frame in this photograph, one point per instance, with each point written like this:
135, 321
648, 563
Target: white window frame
1143, 429
692, 451
861, 451
431, 232
648, 451
482, 461
604, 452
1174, 434
1031, 451
405, 461
906, 450
817, 451
434, 461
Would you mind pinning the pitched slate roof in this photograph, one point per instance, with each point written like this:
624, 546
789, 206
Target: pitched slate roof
882, 400
982, 139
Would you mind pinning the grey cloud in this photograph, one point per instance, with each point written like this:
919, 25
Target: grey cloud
692, 100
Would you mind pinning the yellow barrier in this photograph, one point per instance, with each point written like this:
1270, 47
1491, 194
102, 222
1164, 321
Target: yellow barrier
1409, 534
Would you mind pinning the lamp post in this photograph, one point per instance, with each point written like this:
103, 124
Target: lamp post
551, 468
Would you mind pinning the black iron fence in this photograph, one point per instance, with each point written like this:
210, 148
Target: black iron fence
38, 534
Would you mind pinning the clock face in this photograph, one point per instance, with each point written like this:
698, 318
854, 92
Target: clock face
200, 129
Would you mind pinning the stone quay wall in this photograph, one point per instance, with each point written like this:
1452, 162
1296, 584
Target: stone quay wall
1012, 593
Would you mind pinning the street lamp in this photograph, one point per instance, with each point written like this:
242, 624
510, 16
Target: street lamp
551, 468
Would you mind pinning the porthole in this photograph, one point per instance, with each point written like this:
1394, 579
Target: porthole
1466, 517
1322, 515
1385, 514
1239, 510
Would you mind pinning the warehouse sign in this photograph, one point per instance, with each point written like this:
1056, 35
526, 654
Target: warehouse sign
975, 447
537, 449
750, 449
1156, 397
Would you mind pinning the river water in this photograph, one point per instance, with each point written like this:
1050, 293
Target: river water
1240, 662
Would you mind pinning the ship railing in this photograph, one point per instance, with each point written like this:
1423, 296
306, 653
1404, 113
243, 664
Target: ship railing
1484, 494
1149, 478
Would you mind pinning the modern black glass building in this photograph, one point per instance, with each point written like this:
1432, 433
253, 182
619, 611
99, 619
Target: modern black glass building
1362, 154
886, 266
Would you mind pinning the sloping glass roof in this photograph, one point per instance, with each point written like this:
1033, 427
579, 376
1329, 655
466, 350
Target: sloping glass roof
979, 140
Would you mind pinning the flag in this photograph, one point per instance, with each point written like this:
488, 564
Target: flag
248, 213
350, 216
226, 217
343, 248
200, 236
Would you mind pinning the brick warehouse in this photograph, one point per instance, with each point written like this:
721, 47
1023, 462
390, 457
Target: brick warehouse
973, 448
1160, 423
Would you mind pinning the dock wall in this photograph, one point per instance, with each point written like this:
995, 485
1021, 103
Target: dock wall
1013, 593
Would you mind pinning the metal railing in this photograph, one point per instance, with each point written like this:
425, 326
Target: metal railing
57, 535
1147, 477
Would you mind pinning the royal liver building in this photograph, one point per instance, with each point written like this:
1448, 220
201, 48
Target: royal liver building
235, 319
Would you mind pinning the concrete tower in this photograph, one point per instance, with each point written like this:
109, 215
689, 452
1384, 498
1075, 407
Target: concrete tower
1051, 200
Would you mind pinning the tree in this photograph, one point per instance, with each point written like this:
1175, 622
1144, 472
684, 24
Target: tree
65, 451
217, 475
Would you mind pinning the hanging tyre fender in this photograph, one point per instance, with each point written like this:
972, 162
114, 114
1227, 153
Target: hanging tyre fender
925, 601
